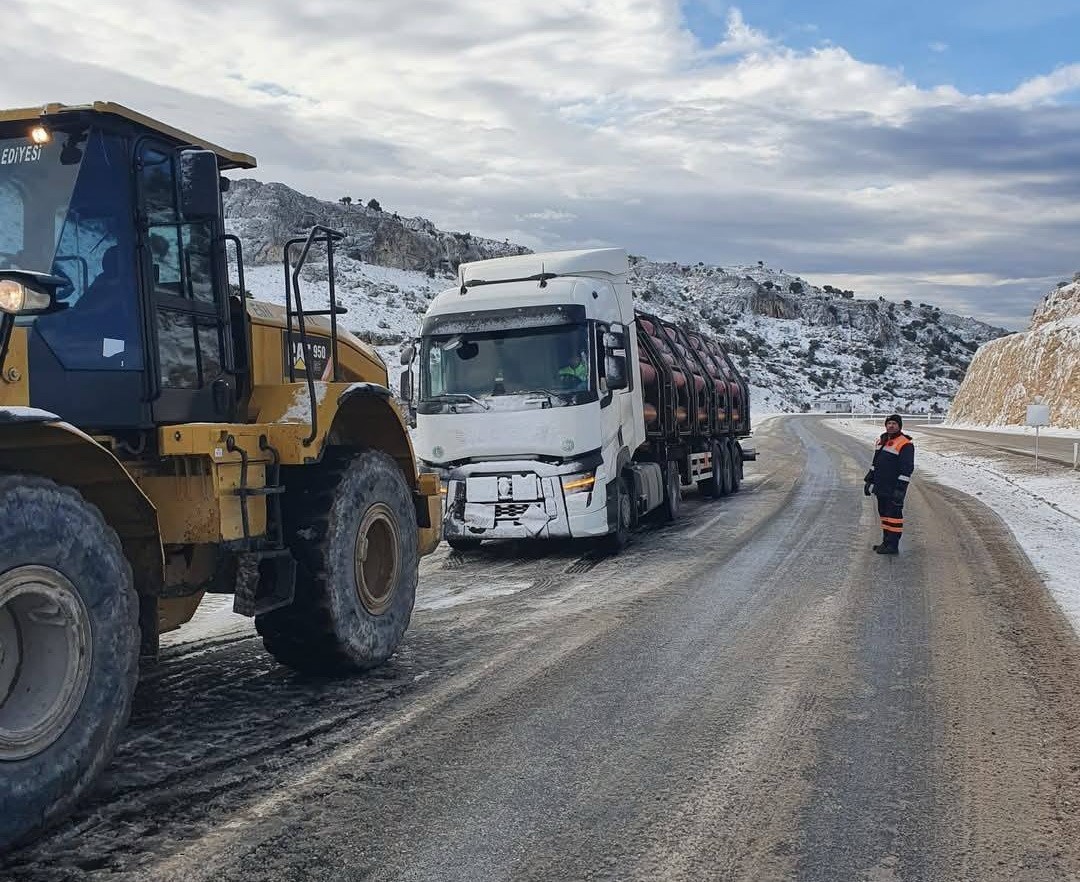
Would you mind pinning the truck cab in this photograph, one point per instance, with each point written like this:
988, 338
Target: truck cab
527, 404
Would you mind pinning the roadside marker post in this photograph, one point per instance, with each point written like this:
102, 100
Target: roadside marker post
1038, 415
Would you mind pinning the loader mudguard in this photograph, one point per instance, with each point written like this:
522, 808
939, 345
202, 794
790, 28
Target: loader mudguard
34, 442
368, 418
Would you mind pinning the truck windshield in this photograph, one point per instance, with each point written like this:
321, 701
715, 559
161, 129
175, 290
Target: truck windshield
551, 361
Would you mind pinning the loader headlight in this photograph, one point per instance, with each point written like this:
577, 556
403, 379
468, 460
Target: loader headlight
40, 135
579, 483
12, 297
19, 299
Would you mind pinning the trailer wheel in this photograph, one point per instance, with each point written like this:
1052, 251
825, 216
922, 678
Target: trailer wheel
736, 466
69, 644
617, 540
672, 493
710, 487
729, 467
351, 524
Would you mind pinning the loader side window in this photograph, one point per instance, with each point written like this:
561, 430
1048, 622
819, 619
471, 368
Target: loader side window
181, 257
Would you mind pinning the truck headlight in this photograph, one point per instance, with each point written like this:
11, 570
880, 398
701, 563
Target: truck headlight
582, 483
16, 298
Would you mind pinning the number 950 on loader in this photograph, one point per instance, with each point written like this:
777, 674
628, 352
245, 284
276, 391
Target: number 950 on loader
163, 436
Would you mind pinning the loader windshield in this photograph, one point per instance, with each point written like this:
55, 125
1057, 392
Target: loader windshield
66, 209
36, 184
487, 368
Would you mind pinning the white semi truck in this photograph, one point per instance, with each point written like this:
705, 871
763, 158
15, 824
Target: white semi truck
550, 408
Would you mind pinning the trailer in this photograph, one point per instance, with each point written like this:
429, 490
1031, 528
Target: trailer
549, 406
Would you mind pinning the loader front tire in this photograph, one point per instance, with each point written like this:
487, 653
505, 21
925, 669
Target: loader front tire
351, 524
69, 644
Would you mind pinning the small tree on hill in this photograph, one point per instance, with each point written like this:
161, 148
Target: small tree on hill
373, 204
346, 200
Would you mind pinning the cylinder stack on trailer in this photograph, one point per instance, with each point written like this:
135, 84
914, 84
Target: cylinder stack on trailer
549, 407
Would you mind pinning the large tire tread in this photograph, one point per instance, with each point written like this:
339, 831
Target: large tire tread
75, 761
305, 635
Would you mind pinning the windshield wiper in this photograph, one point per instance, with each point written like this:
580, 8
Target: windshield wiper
450, 396
558, 396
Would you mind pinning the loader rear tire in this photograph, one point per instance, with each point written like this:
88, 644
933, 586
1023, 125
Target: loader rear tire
69, 645
351, 524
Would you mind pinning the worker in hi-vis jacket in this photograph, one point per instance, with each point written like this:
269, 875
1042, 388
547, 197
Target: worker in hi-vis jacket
888, 480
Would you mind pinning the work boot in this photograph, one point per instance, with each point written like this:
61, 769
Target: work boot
886, 549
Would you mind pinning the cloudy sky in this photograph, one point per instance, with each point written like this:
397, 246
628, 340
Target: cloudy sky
916, 149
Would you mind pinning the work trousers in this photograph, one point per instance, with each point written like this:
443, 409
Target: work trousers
892, 520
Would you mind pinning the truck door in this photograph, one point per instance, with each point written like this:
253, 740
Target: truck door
183, 272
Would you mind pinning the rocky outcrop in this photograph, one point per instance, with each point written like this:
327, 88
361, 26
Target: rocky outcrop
266, 216
1007, 374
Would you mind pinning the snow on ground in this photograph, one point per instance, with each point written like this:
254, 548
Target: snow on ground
213, 620
1026, 431
1041, 509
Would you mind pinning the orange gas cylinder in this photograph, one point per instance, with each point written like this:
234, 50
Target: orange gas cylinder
648, 374
682, 416
651, 414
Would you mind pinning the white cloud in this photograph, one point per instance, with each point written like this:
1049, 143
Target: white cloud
938, 46
560, 122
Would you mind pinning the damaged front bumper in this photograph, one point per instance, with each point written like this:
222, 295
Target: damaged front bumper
525, 504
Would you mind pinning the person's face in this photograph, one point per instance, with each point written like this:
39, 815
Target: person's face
892, 427
575, 360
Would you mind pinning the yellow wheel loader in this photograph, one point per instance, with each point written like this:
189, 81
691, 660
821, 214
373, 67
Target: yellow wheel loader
162, 436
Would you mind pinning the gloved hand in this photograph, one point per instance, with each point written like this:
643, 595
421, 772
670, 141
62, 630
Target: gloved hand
868, 489
898, 496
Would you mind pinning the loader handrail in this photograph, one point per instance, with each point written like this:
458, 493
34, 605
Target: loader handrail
317, 234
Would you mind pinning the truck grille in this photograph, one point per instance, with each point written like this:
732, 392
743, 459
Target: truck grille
510, 511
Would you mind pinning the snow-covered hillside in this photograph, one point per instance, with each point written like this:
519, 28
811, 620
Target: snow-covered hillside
798, 343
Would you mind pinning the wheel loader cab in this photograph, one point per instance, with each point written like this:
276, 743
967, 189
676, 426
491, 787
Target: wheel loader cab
131, 224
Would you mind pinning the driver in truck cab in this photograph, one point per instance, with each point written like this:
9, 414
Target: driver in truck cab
576, 373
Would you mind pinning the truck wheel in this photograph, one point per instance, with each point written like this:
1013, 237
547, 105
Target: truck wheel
351, 525
69, 645
672, 493
736, 466
462, 543
617, 540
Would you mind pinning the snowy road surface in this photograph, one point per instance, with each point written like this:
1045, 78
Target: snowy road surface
746, 694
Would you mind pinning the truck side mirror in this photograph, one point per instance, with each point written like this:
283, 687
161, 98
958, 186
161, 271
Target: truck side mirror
408, 354
615, 337
405, 388
615, 372
200, 185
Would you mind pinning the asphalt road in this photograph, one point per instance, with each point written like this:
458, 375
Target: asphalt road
1050, 447
749, 693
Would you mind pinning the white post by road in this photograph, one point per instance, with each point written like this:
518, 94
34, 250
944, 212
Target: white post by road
1038, 415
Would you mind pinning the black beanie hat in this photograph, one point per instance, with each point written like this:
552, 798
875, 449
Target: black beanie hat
895, 417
